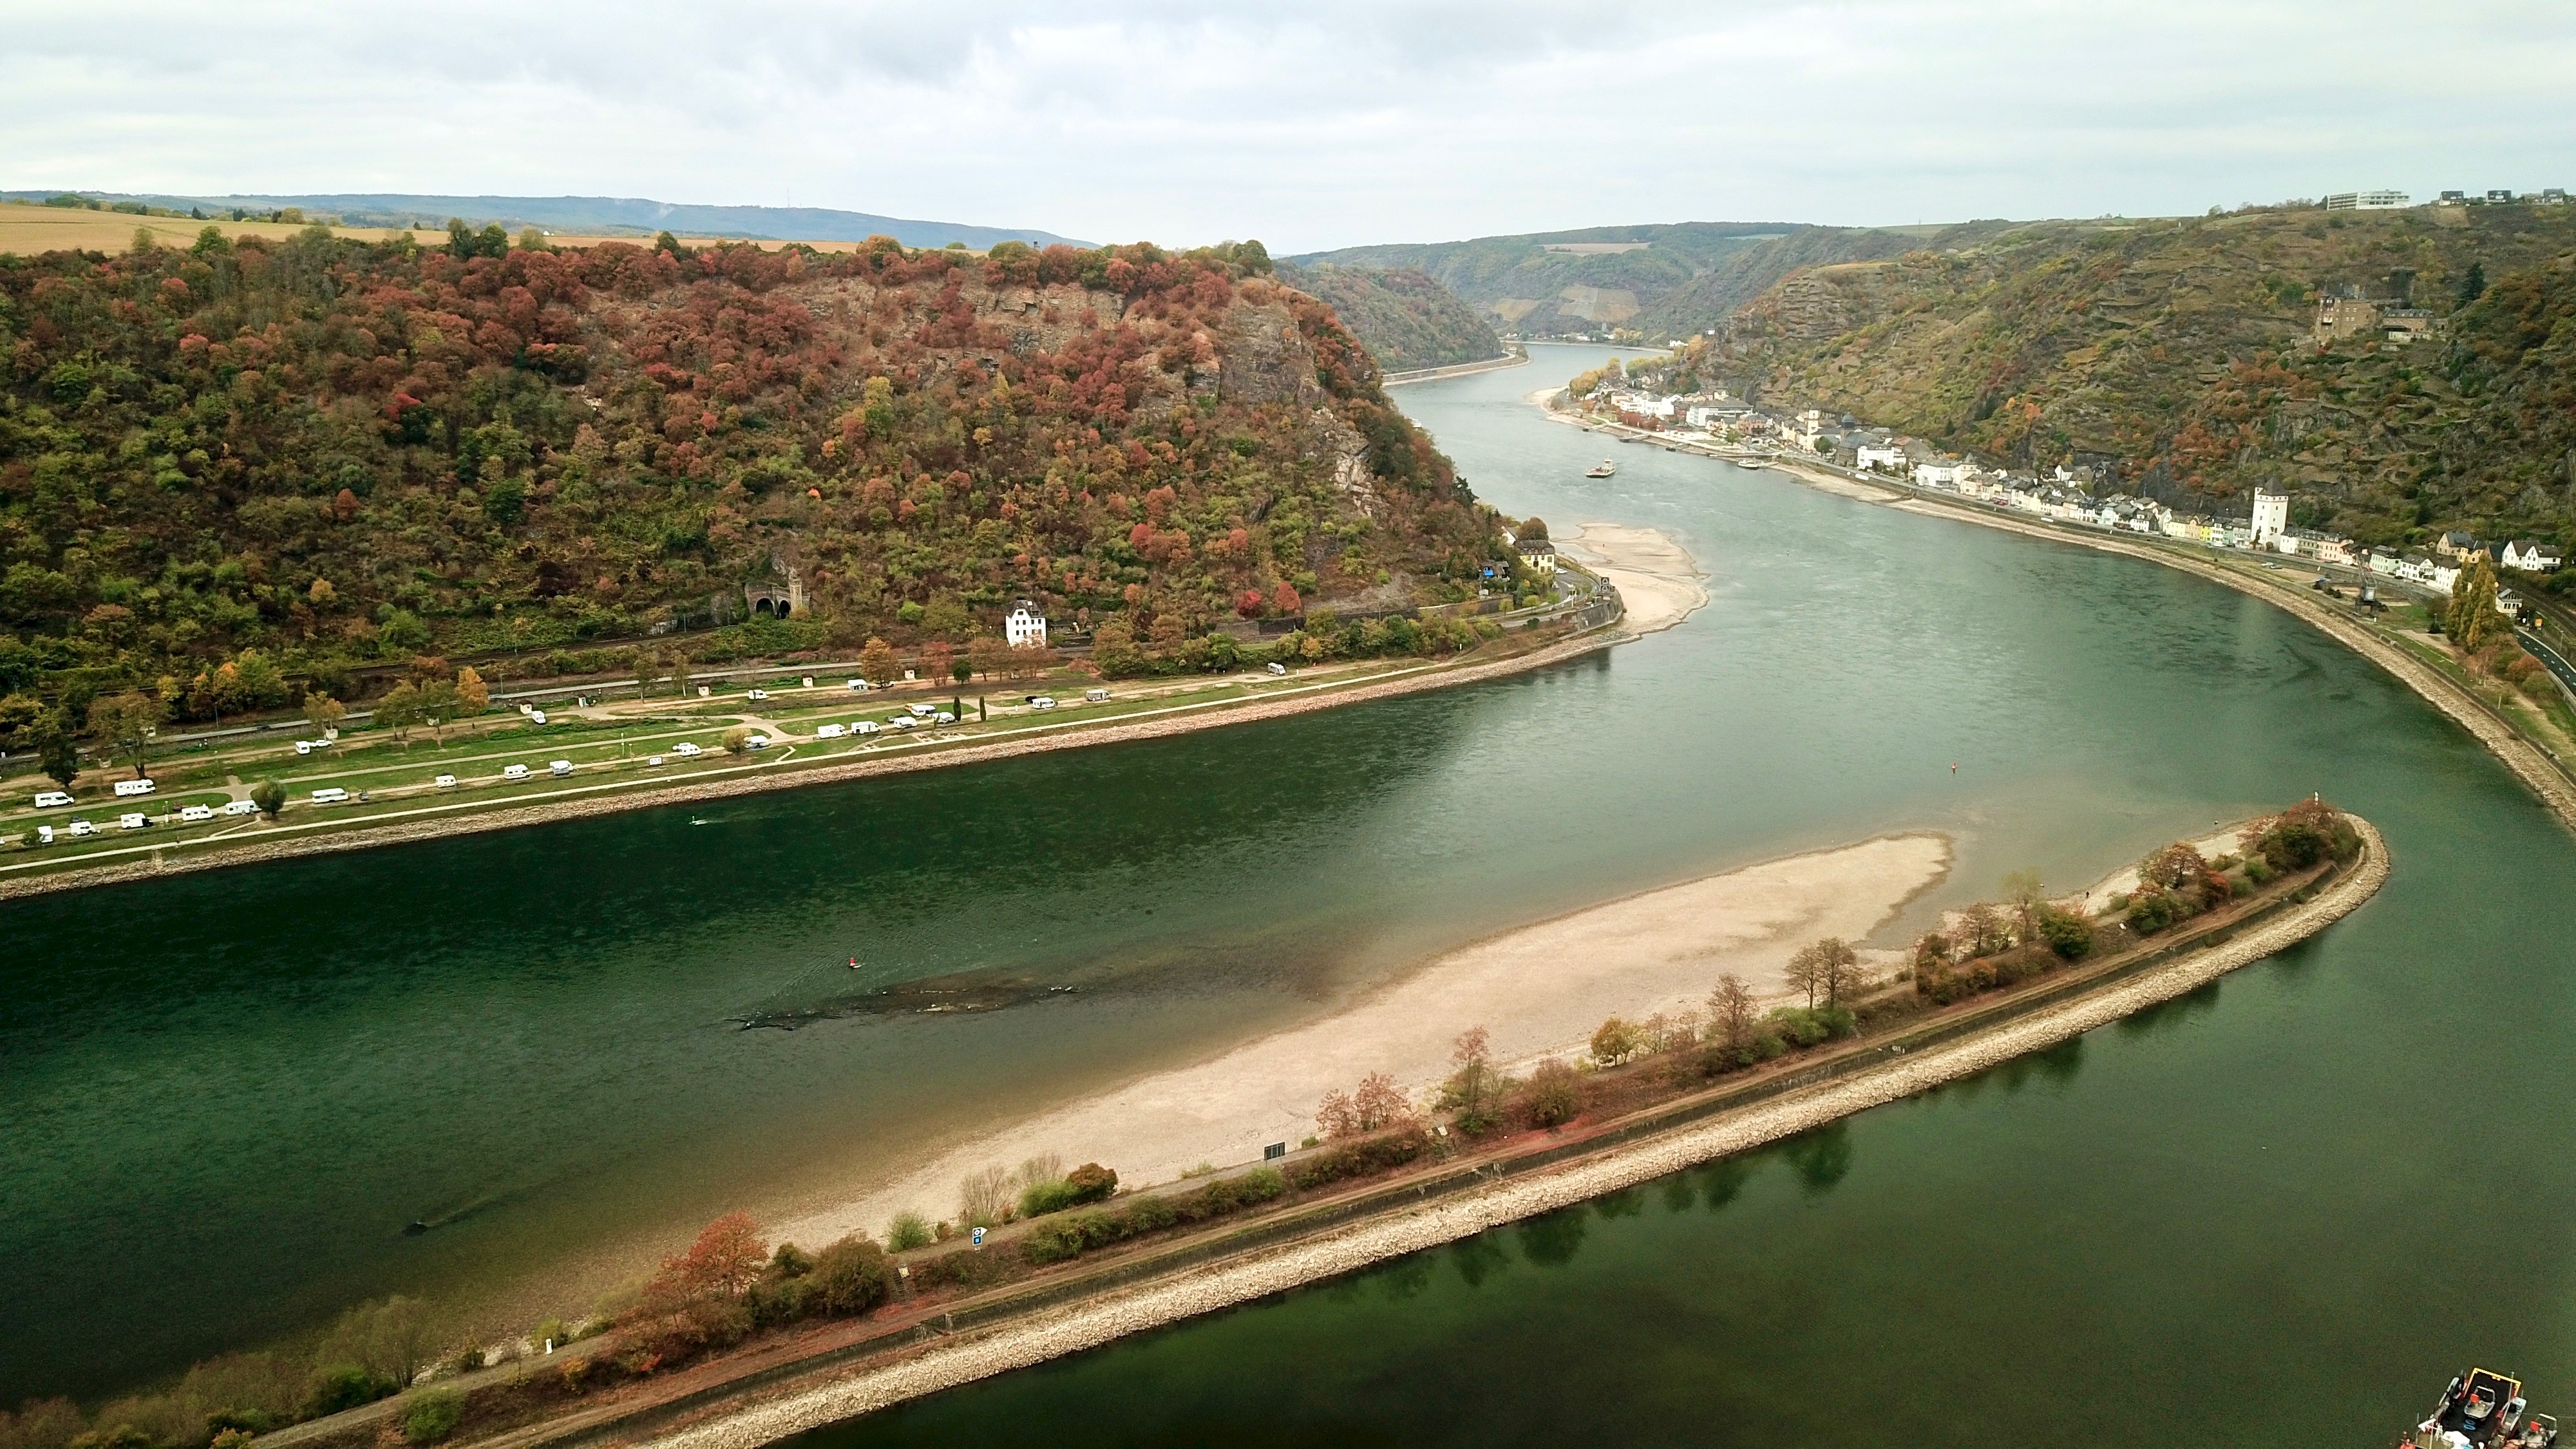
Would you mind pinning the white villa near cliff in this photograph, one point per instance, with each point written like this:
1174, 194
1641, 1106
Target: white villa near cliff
1025, 626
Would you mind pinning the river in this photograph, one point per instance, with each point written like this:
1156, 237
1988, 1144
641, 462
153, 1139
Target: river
2283, 1208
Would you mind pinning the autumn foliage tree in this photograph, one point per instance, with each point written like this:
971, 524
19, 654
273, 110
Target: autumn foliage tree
1377, 1103
695, 1301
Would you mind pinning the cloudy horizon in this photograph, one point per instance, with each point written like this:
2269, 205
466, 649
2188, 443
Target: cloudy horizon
1341, 124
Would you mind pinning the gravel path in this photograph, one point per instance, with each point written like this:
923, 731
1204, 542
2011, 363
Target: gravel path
1090, 1323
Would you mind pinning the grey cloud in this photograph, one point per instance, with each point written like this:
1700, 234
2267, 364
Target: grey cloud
1327, 123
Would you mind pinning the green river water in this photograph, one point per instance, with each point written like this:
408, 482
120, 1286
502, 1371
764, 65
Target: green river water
2279, 1211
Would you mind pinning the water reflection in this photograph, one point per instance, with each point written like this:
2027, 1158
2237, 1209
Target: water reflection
1551, 1240
1478, 1258
1821, 1157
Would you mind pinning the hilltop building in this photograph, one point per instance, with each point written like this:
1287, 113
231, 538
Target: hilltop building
2367, 201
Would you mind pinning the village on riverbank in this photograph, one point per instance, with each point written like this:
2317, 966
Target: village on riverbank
2480, 612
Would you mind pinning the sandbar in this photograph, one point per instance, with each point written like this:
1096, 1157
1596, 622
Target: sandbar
1656, 577
1538, 990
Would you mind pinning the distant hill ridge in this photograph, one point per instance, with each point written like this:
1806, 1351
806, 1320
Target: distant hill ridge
597, 216
1660, 280
1403, 317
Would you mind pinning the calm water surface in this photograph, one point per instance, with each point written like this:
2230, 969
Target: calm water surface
2311, 1188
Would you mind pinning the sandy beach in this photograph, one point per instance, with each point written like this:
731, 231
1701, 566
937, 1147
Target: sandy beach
1539, 990
1656, 577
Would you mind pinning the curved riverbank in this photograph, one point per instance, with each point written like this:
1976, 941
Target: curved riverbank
952, 1359
471, 818
1513, 356
2526, 760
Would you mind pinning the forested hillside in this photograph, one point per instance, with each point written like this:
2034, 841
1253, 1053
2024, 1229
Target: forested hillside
2181, 352
1659, 281
333, 452
1403, 317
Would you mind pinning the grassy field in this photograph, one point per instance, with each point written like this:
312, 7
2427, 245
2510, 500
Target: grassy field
624, 744
27, 228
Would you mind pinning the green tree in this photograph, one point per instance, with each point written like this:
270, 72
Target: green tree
2022, 888
56, 752
2471, 618
270, 797
439, 703
737, 740
2474, 284
124, 724
908, 1230
401, 711
1614, 1041
433, 1416
850, 1277
324, 713
18, 716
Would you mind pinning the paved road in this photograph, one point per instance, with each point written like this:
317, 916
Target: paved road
2551, 660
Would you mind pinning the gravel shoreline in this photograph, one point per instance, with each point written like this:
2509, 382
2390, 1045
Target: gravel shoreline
1093, 1322
797, 778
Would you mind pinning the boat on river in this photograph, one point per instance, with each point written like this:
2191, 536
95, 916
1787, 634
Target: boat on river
1605, 470
2483, 1409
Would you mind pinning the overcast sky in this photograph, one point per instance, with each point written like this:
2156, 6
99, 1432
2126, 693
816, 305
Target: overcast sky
1309, 125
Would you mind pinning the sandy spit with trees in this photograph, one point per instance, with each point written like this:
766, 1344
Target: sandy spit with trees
1538, 990
1089, 1323
1657, 579
253, 849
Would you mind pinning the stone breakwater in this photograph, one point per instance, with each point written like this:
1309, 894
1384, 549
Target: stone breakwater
797, 777
1088, 1323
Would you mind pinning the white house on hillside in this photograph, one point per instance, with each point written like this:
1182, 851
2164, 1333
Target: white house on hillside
1025, 625
2536, 558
